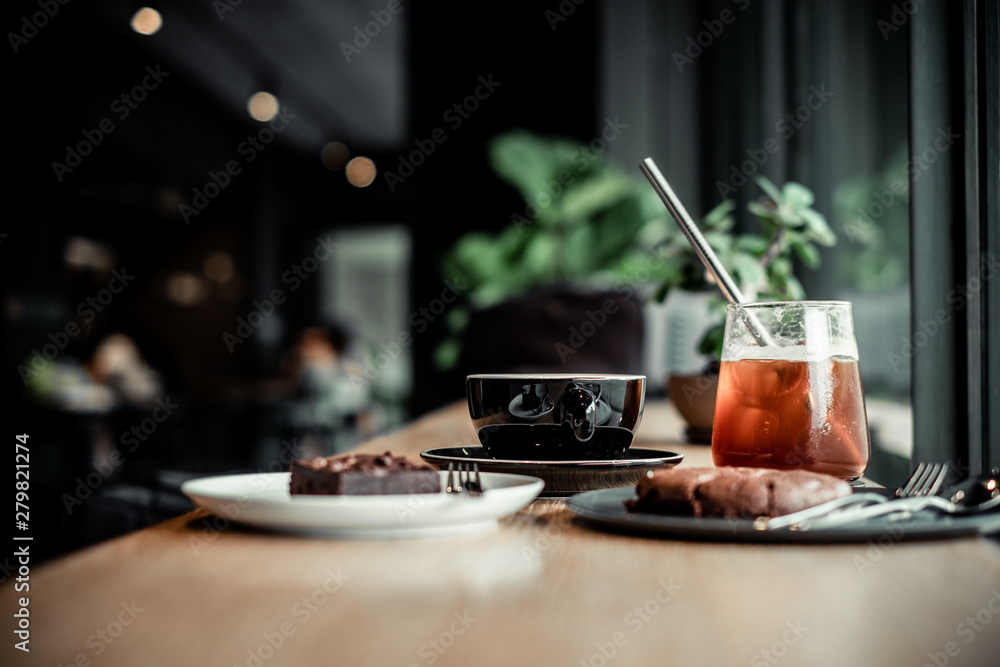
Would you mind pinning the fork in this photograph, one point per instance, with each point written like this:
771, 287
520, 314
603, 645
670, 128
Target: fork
919, 492
924, 482
465, 480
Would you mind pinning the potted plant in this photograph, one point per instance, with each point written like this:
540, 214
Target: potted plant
588, 231
572, 246
761, 260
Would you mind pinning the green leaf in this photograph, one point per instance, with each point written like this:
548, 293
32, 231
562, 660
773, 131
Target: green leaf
748, 270
808, 253
457, 318
752, 244
721, 242
667, 274
785, 287
614, 231
788, 218
711, 342
578, 253
797, 196
780, 267
527, 161
794, 288
662, 291
542, 255
507, 248
598, 194
447, 353
818, 228
720, 217
473, 259
762, 210
770, 189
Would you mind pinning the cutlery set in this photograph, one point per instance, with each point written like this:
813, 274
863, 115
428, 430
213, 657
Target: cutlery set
464, 480
922, 492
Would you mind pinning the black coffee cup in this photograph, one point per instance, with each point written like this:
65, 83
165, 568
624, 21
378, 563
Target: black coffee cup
556, 417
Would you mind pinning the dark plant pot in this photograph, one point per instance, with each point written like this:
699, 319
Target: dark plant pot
563, 329
694, 398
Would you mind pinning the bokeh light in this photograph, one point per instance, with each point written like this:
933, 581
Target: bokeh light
186, 289
360, 172
262, 106
147, 21
218, 267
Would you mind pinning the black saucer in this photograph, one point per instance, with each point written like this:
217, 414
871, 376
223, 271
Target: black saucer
562, 478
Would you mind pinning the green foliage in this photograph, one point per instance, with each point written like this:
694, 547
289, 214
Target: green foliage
587, 222
760, 261
584, 221
873, 212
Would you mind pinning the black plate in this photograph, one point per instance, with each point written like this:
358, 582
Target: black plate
562, 478
606, 509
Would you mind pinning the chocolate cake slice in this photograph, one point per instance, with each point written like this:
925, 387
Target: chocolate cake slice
731, 492
362, 475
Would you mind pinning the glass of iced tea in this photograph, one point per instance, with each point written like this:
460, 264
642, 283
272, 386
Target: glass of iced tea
789, 390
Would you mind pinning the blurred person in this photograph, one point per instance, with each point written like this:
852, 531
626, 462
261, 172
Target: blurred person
115, 375
327, 411
118, 364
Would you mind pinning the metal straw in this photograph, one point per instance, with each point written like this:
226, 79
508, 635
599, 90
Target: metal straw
702, 249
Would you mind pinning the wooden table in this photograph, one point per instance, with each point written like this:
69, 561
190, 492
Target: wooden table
541, 589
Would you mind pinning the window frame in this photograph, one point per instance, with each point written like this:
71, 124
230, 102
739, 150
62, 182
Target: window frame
955, 303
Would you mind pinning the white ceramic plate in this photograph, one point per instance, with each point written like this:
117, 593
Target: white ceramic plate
262, 500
